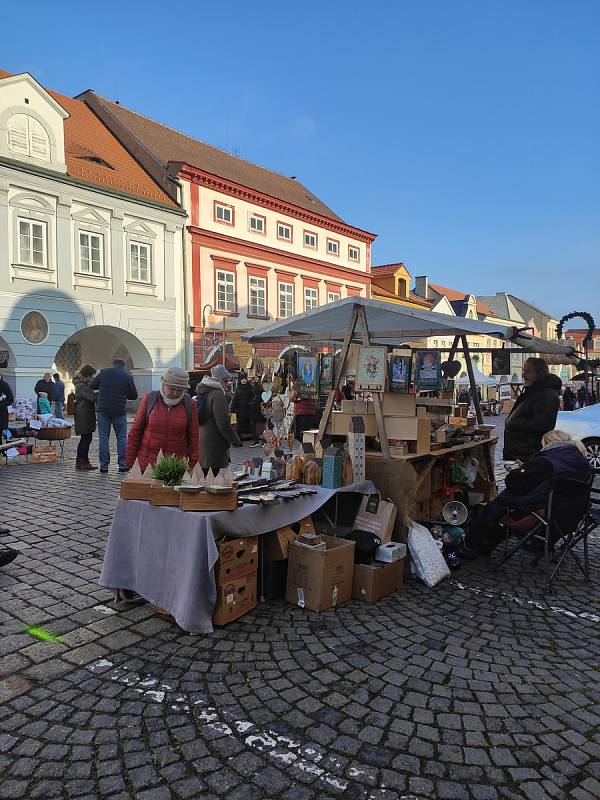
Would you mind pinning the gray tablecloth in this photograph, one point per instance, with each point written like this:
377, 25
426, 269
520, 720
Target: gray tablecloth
167, 555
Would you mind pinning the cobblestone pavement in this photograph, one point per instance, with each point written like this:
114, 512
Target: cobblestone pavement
480, 688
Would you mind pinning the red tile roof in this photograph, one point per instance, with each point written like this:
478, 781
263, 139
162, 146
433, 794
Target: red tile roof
94, 155
454, 294
387, 269
170, 145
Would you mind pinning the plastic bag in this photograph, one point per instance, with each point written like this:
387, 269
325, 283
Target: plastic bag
426, 558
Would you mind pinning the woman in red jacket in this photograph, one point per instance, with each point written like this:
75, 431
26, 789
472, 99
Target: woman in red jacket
166, 420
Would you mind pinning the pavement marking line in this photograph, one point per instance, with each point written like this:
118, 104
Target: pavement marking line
279, 747
520, 601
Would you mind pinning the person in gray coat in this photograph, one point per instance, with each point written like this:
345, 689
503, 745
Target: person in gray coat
216, 433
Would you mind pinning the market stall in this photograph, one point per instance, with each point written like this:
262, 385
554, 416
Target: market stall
168, 555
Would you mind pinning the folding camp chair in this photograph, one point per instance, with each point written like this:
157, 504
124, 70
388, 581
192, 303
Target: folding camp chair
570, 515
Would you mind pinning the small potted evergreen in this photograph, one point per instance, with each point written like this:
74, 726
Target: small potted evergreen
170, 471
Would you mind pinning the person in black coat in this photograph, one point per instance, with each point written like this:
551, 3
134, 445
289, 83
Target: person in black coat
257, 417
527, 490
6, 399
45, 384
534, 413
241, 406
569, 399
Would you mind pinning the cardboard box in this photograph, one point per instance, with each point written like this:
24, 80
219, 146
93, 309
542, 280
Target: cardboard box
340, 420
401, 428
234, 599
276, 544
458, 422
390, 552
374, 581
399, 405
235, 556
376, 516
43, 454
320, 579
348, 406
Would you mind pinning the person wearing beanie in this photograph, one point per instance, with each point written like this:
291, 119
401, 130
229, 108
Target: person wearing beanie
241, 406
166, 420
216, 433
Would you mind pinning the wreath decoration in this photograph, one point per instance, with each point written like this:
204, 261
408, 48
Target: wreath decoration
588, 319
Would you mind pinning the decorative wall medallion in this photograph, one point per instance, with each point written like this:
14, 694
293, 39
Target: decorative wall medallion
34, 327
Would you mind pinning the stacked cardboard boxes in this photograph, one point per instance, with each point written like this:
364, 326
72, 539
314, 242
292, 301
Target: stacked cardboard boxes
407, 431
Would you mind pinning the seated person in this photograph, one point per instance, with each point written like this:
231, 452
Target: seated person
527, 490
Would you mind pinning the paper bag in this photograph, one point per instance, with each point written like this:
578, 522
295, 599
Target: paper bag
376, 516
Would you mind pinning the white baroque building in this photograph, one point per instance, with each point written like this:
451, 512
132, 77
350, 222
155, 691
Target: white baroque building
90, 246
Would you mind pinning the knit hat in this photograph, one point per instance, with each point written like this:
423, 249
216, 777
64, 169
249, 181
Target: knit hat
220, 373
175, 376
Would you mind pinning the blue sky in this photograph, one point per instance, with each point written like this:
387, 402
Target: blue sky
465, 134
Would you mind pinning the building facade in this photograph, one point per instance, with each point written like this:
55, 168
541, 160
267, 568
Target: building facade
260, 246
90, 246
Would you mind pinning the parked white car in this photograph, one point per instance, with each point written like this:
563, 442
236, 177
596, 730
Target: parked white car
585, 425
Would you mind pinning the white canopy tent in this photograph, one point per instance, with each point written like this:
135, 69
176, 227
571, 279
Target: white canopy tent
371, 322
480, 379
391, 324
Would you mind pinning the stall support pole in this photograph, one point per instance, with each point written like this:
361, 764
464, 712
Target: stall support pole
383, 440
478, 414
338, 373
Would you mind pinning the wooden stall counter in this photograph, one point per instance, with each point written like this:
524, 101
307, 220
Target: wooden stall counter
417, 482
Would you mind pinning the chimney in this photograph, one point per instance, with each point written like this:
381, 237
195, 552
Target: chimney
422, 286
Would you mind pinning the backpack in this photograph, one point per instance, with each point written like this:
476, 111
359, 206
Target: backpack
153, 397
202, 407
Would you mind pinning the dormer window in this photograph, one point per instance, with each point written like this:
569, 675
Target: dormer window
27, 137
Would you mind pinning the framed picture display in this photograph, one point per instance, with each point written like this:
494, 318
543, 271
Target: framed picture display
307, 377
326, 366
428, 372
399, 373
501, 362
371, 368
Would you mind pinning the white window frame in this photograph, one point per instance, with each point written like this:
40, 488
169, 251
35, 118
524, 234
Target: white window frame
311, 295
224, 207
87, 269
315, 236
257, 218
222, 280
134, 243
257, 286
336, 250
288, 294
333, 297
285, 227
44, 228
351, 248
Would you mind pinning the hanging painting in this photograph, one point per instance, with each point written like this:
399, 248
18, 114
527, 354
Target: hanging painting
371, 367
428, 372
326, 372
399, 373
307, 378
501, 362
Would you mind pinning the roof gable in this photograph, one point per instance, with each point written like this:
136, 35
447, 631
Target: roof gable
92, 154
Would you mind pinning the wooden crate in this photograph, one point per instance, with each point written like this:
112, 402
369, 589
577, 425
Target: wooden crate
205, 501
163, 496
134, 489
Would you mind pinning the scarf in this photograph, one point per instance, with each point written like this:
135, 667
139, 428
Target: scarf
168, 401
